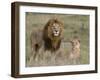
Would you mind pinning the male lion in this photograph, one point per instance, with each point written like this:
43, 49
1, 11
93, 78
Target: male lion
47, 39
52, 34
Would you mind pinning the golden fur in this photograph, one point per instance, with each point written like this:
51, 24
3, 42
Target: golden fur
74, 55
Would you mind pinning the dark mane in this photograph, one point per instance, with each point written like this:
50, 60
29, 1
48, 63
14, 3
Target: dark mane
47, 39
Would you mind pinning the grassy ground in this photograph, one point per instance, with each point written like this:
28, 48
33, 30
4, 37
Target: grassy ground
74, 25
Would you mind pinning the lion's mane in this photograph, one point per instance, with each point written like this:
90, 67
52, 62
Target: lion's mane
51, 42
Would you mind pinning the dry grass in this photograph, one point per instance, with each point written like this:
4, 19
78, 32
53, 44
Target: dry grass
47, 58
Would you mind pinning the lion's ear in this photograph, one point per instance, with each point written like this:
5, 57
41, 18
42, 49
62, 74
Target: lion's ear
79, 40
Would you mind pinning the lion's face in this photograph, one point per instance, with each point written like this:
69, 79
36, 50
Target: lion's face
55, 28
75, 43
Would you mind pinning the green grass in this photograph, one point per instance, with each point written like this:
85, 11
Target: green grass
74, 25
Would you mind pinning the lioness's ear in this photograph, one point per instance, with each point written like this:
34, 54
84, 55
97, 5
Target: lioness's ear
79, 40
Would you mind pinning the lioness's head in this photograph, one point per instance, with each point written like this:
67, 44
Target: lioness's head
75, 42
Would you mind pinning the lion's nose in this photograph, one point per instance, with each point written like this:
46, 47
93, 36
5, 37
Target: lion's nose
56, 31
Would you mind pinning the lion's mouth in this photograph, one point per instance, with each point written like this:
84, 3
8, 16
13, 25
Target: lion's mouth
56, 33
